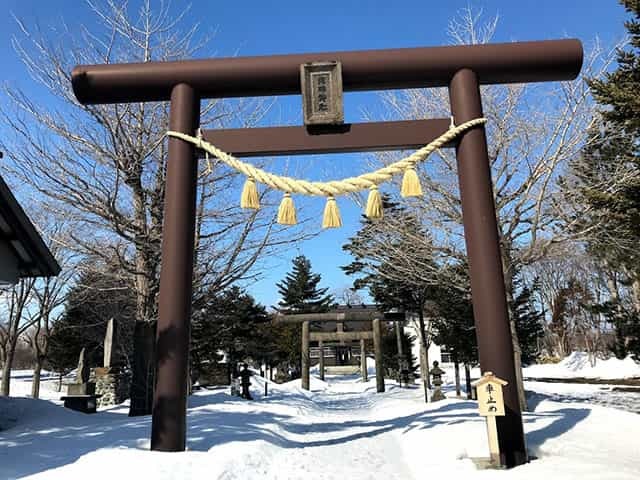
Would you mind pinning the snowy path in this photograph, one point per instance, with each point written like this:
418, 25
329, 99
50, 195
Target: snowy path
341, 429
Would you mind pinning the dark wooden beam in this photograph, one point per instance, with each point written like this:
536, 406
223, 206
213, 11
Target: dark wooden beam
513, 62
377, 348
305, 360
355, 315
351, 137
340, 336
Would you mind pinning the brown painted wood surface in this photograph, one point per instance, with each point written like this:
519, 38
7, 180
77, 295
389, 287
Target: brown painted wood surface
350, 137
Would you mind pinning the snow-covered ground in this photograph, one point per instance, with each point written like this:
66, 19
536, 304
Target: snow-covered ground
577, 365
341, 429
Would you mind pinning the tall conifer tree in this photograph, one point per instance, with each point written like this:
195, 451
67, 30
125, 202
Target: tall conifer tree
300, 292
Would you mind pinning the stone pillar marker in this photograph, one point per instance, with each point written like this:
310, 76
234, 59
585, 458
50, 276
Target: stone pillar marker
363, 361
321, 365
110, 344
112, 382
377, 348
305, 355
82, 373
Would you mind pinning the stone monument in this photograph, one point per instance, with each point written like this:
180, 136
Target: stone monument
82, 385
112, 381
109, 343
436, 373
81, 396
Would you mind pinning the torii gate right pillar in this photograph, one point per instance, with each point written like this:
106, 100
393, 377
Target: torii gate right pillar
485, 264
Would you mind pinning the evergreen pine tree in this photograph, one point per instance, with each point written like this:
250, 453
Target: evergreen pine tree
299, 293
390, 355
528, 320
227, 322
407, 282
454, 324
97, 297
607, 185
299, 290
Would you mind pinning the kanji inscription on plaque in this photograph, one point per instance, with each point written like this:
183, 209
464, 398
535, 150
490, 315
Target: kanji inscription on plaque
322, 93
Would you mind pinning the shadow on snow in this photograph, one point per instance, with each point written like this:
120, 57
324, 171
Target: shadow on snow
44, 444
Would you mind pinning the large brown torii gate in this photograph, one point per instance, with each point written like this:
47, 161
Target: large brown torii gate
460, 68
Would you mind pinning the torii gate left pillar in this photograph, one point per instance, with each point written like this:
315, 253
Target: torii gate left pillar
168, 428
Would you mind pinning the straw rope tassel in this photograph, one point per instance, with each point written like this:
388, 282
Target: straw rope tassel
331, 217
287, 211
249, 197
411, 183
374, 204
335, 187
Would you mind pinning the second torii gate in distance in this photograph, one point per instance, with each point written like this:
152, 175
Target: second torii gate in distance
350, 315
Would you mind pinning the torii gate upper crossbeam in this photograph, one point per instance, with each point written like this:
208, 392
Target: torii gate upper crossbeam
516, 62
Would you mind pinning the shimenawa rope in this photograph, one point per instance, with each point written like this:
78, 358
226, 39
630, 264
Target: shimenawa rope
286, 213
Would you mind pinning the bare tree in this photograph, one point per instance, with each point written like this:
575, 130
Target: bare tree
571, 284
15, 324
347, 296
49, 295
102, 167
532, 133
398, 262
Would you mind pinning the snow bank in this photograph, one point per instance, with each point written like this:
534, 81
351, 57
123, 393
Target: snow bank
577, 365
21, 384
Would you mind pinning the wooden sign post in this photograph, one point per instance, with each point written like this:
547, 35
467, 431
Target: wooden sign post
490, 406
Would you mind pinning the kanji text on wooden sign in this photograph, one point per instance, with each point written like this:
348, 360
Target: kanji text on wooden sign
490, 398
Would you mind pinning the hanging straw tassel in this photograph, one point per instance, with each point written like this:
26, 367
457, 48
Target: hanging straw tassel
411, 183
249, 197
374, 204
287, 211
331, 218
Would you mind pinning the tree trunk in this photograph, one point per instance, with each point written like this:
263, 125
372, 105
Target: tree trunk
143, 374
424, 358
517, 360
60, 382
467, 374
635, 289
425, 346
399, 335
35, 383
6, 371
456, 365
507, 268
144, 338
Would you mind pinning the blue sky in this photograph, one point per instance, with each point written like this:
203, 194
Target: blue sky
292, 26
